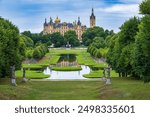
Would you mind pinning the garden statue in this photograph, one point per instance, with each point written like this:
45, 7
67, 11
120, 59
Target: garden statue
108, 80
104, 75
12, 75
24, 75
68, 45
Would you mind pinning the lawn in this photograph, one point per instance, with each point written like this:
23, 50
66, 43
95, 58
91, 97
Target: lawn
54, 59
99, 74
32, 66
100, 65
121, 89
31, 74
76, 68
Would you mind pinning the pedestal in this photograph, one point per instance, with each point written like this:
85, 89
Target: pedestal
13, 82
108, 81
24, 80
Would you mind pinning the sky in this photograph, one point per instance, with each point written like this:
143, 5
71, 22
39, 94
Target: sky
31, 14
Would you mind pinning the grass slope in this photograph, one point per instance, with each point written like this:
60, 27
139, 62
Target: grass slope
121, 89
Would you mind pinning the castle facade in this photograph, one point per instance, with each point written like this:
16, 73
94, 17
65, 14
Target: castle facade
62, 27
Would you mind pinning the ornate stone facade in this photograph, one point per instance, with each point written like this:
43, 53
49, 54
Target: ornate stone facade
56, 26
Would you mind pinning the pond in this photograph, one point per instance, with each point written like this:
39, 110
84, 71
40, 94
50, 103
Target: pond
66, 75
65, 61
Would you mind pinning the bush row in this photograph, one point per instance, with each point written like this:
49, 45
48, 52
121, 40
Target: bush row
38, 52
98, 53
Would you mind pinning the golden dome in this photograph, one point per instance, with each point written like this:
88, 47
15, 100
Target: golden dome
57, 20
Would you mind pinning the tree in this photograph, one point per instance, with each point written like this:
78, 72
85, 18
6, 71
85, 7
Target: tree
72, 38
39, 51
121, 47
27, 40
142, 45
91, 33
98, 42
57, 39
9, 48
145, 7
37, 54
38, 37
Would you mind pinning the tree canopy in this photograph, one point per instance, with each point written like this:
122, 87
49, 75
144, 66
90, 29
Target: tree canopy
89, 35
9, 47
72, 38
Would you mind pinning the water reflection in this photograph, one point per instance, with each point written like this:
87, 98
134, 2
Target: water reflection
67, 60
59, 75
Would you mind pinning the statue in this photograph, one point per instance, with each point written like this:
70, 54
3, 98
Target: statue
108, 81
68, 45
12, 75
24, 75
104, 75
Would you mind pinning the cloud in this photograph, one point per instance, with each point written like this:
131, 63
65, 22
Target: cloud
131, 1
121, 8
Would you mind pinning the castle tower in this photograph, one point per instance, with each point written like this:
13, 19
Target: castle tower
92, 19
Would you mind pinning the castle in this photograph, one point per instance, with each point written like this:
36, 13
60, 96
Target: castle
56, 26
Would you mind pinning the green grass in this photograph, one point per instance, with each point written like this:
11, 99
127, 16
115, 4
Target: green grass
121, 89
45, 61
85, 59
32, 66
67, 68
99, 74
66, 51
54, 59
100, 65
31, 74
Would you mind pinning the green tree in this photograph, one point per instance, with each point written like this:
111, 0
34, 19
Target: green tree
37, 53
122, 46
27, 40
57, 39
145, 7
9, 47
98, 42
142, 46
91, 33
72, 38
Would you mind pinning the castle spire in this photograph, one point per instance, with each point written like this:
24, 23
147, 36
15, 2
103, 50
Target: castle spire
79, 23
45, 23
45, 20
92, 19
92, 11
